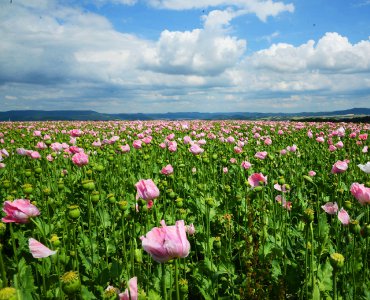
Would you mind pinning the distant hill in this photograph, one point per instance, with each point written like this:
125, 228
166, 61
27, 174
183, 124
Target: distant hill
354, 114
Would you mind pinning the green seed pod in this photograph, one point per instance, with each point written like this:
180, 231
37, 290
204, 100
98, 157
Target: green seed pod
71, 283
46, 191
179, 202
123, 205
27, 188
184, 286
73, 211
281, 181
258, 189
54, 240
309, 215
217, 242
347, 204
95, 196
38, 170
111, 198
6, 183
2, 228
88, 184
337, 260
138, 254
8, 293
60, 184
28, 172
354, 227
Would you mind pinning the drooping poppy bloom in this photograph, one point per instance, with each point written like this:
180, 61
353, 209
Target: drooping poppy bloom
19, 211
339, 167
132, 295
246, 164
196, 149
343, 216
146, 189
80, 159
330, 207
361, 193
38, 250
261, 155
167, 170
365, 168
167, 242
257, 179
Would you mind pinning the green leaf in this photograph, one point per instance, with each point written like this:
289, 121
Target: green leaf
324, 274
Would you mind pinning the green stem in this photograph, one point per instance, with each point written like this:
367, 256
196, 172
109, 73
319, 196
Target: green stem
164, 288
13, 243
177, 280
335, 285
2, 269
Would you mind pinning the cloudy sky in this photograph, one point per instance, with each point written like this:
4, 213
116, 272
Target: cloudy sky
184, 55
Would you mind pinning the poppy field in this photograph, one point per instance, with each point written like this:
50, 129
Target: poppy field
184, 210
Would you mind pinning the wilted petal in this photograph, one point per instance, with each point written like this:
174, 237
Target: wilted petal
39, 250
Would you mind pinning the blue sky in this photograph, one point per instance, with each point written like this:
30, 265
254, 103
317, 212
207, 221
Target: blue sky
185, 55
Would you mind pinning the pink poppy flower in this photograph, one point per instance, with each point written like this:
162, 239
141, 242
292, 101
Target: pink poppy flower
39, 250
339, 145
311, 173
343, 216
238, 150
320, 139
147, 139
283, 152
280, 188
365, 149
167, 242
146, 189
2, 165
80, 159
330, 207
257, 179
4, 152
339, 167
35, 155
19, 211
187, 139
363, 136
195, 149
309, 134
132, 295
190, 229
37, 133
96, 144
230, 140
286, 204
172, 146
361, 193
332, 148
49, 157
225, 170
75, 132
125, 148
137, 144
268, 141
246, 165
167, 170
261, 155
41, 145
